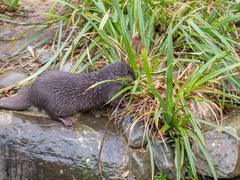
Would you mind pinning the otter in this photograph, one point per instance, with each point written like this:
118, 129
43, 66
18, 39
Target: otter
62, 94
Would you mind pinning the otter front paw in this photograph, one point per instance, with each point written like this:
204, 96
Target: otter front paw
66, 122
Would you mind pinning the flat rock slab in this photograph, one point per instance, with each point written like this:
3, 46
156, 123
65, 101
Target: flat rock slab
40, 148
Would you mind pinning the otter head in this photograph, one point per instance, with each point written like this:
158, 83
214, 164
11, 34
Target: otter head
125, 70
116, 70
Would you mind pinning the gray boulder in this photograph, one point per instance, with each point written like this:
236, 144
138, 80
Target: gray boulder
223, 147
40, 148
140, 164
43, 55
134, 134
67, 67
164, 158
224, 150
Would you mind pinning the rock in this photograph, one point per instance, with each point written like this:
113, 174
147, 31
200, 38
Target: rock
232, 120
43, 55
3, 55
134, 134
67, 67
7, 34
10, 77
140, 164
224, 150
164, 159
40, 148
201, 110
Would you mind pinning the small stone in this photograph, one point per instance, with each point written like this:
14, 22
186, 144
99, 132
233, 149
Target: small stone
164, 158
8, 33
225, 154
231, 121
202, 110
140, 164
3, 55
134, 134
67, 67
43, 55
10, 77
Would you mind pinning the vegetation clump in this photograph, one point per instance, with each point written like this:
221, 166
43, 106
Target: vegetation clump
185, 55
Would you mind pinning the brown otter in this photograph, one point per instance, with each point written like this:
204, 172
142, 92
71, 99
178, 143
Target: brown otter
62, 94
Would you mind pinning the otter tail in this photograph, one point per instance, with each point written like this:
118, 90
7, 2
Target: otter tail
17, 103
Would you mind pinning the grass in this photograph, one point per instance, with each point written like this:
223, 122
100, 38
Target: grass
182, 52
11, 4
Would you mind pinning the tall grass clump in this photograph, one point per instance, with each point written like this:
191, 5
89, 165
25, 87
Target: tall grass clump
182, 53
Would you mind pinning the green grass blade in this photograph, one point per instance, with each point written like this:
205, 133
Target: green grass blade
118, 94
126, 38
60, 35
51, 60
178, 159
149, 146
205, 154
191, 120
169, 74
194, 78
30, 40
187, 146
104, 20
216, 73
